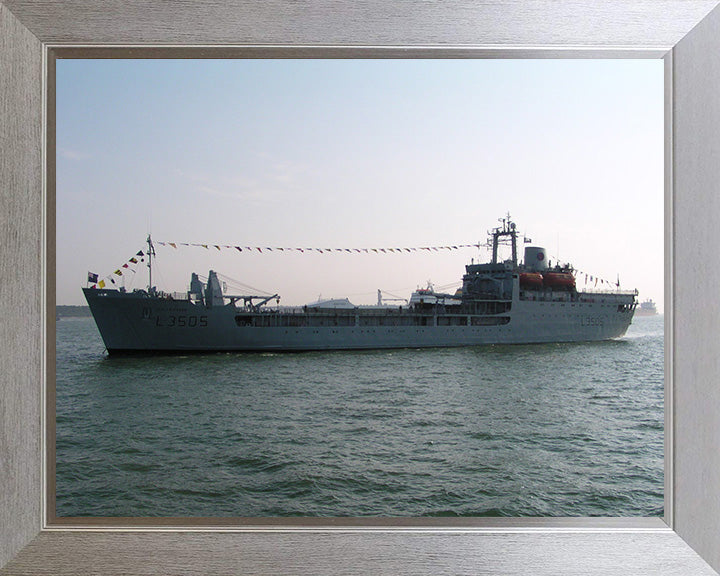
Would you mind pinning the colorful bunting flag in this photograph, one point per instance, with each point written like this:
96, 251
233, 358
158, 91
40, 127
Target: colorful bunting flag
93, 278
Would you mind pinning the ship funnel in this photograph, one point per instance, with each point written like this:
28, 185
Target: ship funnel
535, 258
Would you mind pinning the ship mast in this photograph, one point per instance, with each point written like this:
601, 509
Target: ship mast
508, 229
150, 253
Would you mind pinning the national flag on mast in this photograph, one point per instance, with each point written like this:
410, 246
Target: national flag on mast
92, 278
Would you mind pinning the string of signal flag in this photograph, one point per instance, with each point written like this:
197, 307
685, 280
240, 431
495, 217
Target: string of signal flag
320, 250
131, 264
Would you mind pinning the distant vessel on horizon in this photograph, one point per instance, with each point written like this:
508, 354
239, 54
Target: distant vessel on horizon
646, 308
504, 302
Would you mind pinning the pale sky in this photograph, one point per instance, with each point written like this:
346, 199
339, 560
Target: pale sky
356, 154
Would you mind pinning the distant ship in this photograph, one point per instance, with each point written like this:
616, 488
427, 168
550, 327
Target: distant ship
647, 308
499, 303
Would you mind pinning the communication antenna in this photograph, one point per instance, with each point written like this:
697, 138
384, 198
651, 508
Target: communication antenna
150, 253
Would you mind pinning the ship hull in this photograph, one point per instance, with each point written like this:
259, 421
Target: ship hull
138, 323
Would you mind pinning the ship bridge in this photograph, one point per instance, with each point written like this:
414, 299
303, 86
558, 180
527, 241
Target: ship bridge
493, 281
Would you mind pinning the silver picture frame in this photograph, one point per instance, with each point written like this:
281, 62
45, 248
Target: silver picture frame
685, 33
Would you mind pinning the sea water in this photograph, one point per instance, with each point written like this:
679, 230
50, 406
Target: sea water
511, 430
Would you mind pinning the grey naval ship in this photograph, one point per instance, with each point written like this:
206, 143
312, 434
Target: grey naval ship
500, 302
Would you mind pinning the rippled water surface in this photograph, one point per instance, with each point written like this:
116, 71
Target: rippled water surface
539, 430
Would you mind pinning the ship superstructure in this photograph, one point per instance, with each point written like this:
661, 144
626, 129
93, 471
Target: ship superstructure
500, 302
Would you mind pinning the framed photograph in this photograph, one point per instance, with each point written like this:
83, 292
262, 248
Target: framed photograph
524, 381
389, 546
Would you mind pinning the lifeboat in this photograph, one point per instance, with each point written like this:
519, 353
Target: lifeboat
559, 279
531, 280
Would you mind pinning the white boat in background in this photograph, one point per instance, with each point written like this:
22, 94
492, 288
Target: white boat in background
646, 308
